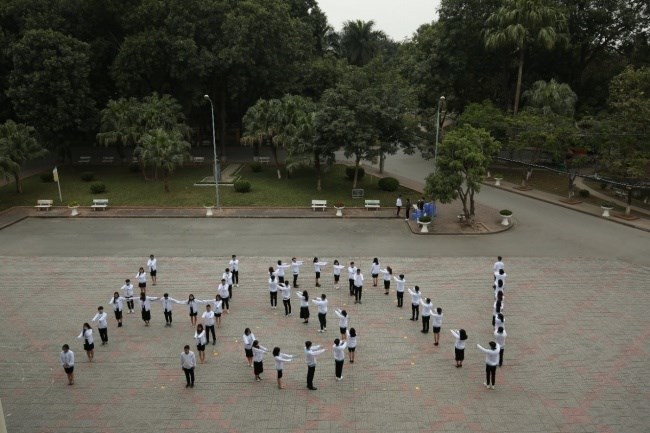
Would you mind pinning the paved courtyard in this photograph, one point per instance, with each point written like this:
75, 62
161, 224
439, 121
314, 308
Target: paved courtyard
576, 357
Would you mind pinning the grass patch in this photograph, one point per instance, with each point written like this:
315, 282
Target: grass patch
126, 188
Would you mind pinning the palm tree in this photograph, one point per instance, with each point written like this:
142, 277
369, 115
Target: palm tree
552, 97
165, 150
119, 124
17, 146
520, 23
263, 125
360, 42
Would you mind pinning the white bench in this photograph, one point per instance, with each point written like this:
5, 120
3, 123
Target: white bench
44, 204
100, 203
264, 159
108, 159
372, 204
198, 159
84, 160
319, 204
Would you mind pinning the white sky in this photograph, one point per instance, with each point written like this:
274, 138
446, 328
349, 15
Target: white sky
399, 19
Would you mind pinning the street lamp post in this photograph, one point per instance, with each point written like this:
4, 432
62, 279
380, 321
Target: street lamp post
214, 147
435, 151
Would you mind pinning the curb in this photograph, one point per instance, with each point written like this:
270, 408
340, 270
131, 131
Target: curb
504, 229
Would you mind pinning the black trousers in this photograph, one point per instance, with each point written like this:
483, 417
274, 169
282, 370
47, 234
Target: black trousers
235, 277
322, 319
357, 293
103, 333
168, 317
415, 311
351, 280
287, 306
226, 303
400, 299
311, 370
490, 374
295, 280
338, 367
274, 299
425, 323
129, 303
230, 291
281, 279
208, 330
501, 356
189, 375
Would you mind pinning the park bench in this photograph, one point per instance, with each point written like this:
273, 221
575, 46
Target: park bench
44, 204
108, 159
319, 204
83, 160
100, 203
198, 159
372, 204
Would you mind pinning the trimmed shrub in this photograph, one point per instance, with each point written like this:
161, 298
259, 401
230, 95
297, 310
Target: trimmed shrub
584, 193
97, 187
505, 212
47, 177
242, 186
87, 176
256, 167
388, 184
349, 173
424, 219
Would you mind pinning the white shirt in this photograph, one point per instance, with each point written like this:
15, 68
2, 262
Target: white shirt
273, 285
217, 306
497, 265
398, 202
491, 356
167, 303
343, 320
87, 335
146, 304
248, 340
188, 360
339, 351
374, 268
352, 271
192, 306
280, 270
258, 353
352, 341
128, 290
460, 344
358, 280
317, 266
222, 290
200, 338
500, 338
387, 275
151, 264
141, 277
286, 290
116, 303
101, 320
415, 297
295, 267
281, 359
322, 305
426, 308
303, 302
228, 277
67, 359
337, 269
436, 319
311, 354
233, 264
400, 284
208, 318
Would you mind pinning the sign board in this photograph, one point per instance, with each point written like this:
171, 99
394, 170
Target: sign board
357, 193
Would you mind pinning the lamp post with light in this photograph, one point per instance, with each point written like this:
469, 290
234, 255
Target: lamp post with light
214, 147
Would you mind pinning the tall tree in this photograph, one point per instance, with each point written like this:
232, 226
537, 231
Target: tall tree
18, 145
263, 125
551, 97
360, 41
165, 150
518, 24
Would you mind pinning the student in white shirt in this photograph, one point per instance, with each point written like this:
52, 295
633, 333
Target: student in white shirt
499, 321
201, 341
295, 270
436, 317
234, 268
398, 204
401, 282
497, 309
317, 268
374, 271
152, 264
145, 307
343, 322
336, 269
311, 352
388, 275
358, 286
141, 276
273, 291
223, 291
227, 276
117, 302
188, 362
498, 287
338, 349
192, 306
498, 265
248, 340
167, 302
352, 271
491, 362
66, 358
102, 324
352, 343
500, 337
208, 323
89, 344
217, 308
280, 359
322, 311
286, 298
258, 359
127, 289
304, 305
416, 296
459, 346
501, 275
427, 308
279, 272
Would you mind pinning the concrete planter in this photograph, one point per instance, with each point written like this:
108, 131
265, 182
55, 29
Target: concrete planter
339, 211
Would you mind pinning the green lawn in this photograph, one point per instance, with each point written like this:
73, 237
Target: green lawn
125, 187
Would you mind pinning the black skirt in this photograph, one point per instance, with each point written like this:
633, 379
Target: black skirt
304, 312
146, 315
258, 368
89, 346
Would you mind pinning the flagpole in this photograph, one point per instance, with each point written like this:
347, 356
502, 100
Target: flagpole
56, 178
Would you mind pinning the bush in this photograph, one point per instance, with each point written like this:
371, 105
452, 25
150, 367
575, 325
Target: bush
505, 212
584, 193
87, 176
424, 219
48, 176
388, 184
97, 187
256, 167
242, 186
349, 173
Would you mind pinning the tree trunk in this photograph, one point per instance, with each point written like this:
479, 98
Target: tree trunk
381, 162
472, 211
520, 74
19, 187
356, 171
223, 120
166, 181
275, 158
318, 171
628, 207
572, 185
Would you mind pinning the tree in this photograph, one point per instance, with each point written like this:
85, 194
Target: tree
165, 150
552, 97
463, 159
17, 146
520, 23
119, 124
360, 41
263, 126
